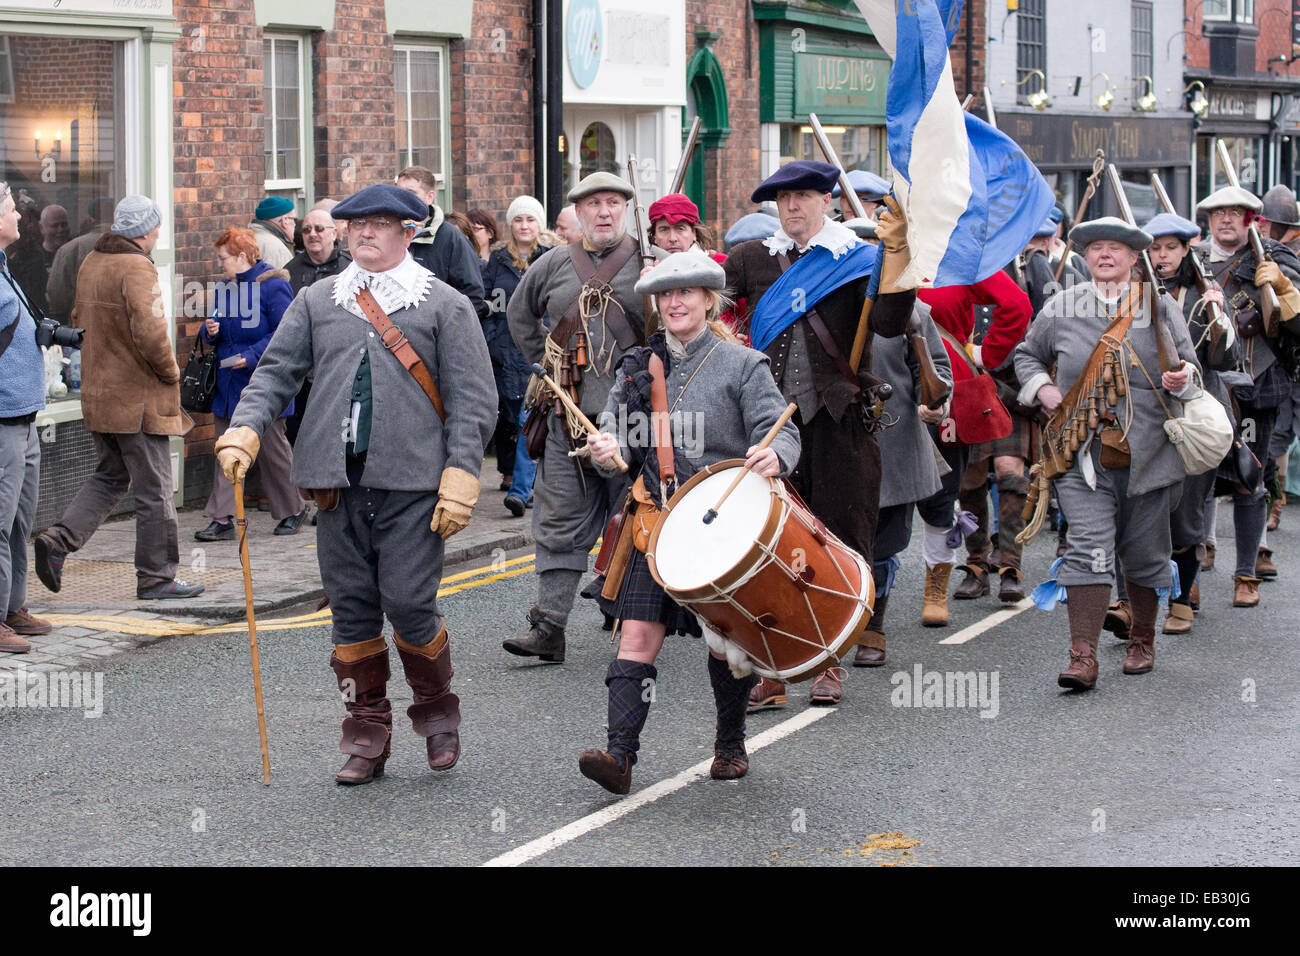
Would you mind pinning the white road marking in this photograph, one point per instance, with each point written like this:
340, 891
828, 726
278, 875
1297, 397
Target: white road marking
594, 821
990, 622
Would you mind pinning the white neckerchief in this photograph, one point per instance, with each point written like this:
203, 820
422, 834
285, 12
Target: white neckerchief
399, 288
835, 236
1110, 305
1218, 254
676, 347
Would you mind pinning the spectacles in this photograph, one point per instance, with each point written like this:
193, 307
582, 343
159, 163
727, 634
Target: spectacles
376, 222
307, 229
1227, 212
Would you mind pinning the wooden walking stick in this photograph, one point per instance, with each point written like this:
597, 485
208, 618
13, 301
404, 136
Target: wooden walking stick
241, 525
740, 475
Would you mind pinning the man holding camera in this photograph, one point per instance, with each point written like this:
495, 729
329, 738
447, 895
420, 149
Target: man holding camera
130, 397
22, 395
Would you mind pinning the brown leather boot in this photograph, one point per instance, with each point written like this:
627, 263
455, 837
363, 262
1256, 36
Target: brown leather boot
1245, 591
870, 651
1141, 656
1275, 513
362, 672
1264, 566
1119, 618
1011, 587
1179, 619
767, 693
934, 610
828, 687
1012, 492
435, 715
975, 584
613, 772
1086, 604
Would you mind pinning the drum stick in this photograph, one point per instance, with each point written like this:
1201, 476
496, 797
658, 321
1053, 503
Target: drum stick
571, 406
767, 440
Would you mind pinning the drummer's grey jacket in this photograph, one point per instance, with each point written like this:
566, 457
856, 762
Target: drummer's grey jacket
1064, 334
409, 445
722, 400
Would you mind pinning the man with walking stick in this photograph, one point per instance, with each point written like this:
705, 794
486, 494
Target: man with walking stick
390, 487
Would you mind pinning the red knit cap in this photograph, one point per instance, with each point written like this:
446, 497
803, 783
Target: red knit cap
675, 208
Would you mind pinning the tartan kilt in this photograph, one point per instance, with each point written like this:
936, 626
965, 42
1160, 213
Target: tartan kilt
642, 599
1021, 443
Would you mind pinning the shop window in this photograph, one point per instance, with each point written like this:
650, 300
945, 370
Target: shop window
421, 108
1143, 51
285, 143
1031, 45
62, 154
1223, 10
596, 151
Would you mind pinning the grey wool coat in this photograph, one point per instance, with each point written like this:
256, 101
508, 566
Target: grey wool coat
409, 445
722, 400
1064, 334
548, 288
910, 470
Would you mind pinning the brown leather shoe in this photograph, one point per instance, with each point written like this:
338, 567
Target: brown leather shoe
1264, 566
1178, 620
1245, 591
1119, 618
934, 609
11, 642
435, 715
767, 693
1275, 513
870, 651
363, 681
975, 585
23, 623
1011, 588
1082, 672
1141, 656
1207, 562
728, 765
828, 687
612, 773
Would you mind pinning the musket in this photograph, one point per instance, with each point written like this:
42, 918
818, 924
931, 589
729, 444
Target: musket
1094, 180
1270, 307
846, 190
1170, 361
687, 152
643, 237
988, 108
1204, 280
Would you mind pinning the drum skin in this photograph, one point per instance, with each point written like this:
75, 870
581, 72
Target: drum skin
797, 601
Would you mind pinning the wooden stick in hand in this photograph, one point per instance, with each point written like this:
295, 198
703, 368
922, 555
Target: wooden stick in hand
740, 475
572, 406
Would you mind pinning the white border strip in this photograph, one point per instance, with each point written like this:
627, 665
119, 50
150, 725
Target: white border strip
594, 821
990, 622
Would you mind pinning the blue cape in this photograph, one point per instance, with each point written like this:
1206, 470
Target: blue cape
810, 279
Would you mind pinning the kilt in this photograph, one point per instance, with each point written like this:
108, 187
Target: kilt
642, 599
1021, 443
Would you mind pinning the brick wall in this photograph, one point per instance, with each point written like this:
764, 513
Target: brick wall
1273, 17
976, 18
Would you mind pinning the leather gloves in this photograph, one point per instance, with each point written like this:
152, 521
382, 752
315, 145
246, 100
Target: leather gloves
1268, 273
891, 230
457, 494
236, 450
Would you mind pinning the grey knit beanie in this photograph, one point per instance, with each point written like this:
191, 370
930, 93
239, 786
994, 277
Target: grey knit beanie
135, 216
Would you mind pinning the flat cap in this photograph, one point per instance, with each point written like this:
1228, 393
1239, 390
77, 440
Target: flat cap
1280, 206
273, 207
382, 199
1048, 228
1056, 214
599, 182
1109, 227
754, 225
1171, 224
801, 174
136, 216
1231, 196
674, 208
867, 185
691, 269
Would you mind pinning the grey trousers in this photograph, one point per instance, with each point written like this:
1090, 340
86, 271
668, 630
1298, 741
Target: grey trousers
274, 462
143, 464
1107, 523
377, 556
567, 520
20, 484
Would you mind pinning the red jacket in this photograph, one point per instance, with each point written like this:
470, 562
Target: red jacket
953, 307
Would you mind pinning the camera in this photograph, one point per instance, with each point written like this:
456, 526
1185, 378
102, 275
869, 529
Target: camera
49, 332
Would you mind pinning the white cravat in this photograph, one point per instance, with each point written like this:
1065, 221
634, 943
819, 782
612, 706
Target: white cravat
398, 288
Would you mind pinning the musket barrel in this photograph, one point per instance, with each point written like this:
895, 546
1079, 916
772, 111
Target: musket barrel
688, 152
828, 151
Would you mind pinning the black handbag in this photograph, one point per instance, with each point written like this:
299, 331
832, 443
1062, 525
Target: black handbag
1240, 472
199, 381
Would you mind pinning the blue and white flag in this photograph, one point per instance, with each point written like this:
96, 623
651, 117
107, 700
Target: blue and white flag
973, 198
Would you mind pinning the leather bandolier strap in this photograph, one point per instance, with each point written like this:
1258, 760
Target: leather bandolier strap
396, 342
598, 277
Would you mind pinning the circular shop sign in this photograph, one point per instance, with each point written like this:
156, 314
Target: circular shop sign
585, 36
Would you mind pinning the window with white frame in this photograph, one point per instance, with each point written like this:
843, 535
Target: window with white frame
6, 72
1223, 10
284, 96
421, 109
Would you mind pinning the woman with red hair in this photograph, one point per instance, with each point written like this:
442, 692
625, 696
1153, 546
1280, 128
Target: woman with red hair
246, 312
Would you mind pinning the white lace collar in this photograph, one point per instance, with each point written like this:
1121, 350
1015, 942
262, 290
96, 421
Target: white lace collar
402, 287
835, 236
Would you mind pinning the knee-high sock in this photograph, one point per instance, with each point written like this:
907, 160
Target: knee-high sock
1188, 568
976, 501
1087, 605
1012, 491
934, 546
731, 695
631, 689
1145, 607
1249, 518
556, 590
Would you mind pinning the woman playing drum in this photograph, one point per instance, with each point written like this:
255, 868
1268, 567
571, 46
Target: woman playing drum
721, 400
